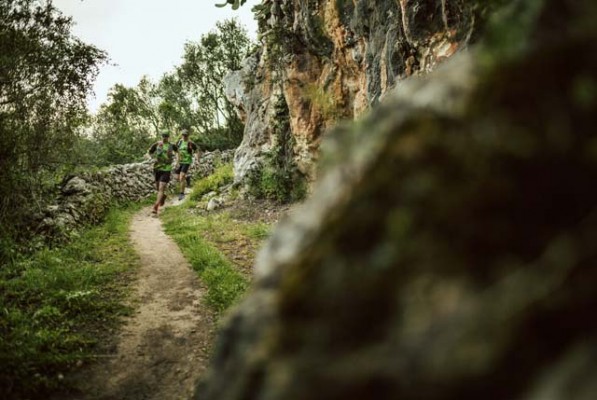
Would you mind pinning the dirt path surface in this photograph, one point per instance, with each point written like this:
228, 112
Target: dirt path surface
162, 349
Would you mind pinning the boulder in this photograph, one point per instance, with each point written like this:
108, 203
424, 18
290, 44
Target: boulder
448, 248
213, 204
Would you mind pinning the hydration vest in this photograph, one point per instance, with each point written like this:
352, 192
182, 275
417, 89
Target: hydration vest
164, 157
185, 151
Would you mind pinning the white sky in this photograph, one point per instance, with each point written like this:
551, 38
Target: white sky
145, 37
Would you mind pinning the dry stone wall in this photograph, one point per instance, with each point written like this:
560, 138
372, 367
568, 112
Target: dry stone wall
85, 198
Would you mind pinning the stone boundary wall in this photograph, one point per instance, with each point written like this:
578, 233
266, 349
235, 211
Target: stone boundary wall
85, 198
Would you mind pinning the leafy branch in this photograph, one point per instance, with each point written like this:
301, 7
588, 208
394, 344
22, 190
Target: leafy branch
235, 4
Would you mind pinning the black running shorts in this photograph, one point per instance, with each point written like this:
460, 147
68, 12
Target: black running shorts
162, 176
184, 168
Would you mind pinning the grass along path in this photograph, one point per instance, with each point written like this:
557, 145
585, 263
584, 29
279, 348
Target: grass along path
58, 305
220, 249
61, 309
220, 246
163, 348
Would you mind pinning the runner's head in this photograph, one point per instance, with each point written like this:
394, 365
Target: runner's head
165, 136
185, 134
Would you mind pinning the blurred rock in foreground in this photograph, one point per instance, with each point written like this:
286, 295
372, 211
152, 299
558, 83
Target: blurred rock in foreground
449, 250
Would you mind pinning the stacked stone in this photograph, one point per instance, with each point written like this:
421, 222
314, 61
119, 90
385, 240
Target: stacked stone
209, 161
85, 199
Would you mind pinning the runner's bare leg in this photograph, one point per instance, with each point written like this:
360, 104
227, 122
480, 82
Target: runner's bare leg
182, 182
161, 195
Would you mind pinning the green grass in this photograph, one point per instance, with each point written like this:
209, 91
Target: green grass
55, 305
224, 284
223, 175
258, 231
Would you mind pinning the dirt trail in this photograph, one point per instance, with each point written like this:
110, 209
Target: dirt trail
162, 348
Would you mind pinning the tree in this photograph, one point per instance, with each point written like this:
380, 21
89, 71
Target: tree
126, 124
205, 63
190, 97
234, 3
175, 107
45, 75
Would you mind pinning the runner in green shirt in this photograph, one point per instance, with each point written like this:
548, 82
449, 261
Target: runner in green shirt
163, 153
186, 150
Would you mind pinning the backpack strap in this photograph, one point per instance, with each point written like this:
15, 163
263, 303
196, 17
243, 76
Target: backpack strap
190, 146
155, 146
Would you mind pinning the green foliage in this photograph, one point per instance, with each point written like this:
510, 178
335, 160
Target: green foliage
205, 63
277, 182
55, 304
45, 76
125, 126
222, 176
277, 178
190, 97
508, 30
281, 40
235, 4
175, 104
224, 284
218, 139
322, 100
259, 231
278, 39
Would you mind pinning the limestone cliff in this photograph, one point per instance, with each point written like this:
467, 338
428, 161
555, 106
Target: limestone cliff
331, 60
448, 249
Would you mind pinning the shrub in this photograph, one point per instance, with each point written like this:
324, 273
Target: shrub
222, 176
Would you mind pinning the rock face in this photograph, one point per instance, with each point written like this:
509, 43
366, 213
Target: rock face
448, 249
86, 198
331, 60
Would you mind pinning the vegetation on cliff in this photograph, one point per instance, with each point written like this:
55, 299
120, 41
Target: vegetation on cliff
276, 177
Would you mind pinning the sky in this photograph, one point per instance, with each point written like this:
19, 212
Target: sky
145, 37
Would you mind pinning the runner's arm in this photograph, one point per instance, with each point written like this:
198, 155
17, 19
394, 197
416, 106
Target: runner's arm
151, 150
196, 151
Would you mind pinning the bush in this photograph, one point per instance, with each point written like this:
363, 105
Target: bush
284, 184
